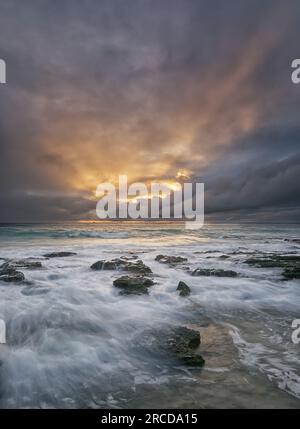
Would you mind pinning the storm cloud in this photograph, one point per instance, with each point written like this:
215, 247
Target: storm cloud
148, 88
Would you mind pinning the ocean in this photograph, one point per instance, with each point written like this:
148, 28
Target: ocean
72, 341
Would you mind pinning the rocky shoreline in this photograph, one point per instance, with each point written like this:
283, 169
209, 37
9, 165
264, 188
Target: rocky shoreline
139, 272
136, 278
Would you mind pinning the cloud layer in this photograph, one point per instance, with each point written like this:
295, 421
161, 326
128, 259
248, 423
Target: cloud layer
147, 88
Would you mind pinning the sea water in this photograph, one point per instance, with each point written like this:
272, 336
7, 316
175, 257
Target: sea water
72, 341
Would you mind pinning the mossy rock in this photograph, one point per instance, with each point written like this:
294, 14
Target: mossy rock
291, 273
178, 342
289, 263
214, 272
171, 260
183, 289
137, 267
9, 274
133, 285
31, 265
59, 254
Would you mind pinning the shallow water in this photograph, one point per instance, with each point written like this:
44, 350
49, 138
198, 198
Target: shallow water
72, 341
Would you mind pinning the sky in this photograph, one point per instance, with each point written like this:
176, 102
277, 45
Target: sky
149, 88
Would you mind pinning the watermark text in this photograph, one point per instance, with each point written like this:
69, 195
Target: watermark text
296, 72
296, 332
162, 201
2, 71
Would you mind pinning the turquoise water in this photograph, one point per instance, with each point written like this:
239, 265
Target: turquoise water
72, 341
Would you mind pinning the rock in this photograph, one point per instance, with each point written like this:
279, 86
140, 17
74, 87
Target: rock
104, 265
59, 254
289, 263
179, 342
182, 339
27, 264
137, 267
219, 257
133, 285
6, 268
183, 289
262, 263
171, 260
291, 273
9, 274
280, 261
16, 277
193, 359
214, 272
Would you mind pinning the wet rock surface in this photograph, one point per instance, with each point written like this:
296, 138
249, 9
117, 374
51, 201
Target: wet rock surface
59, 254
137, 267
32, 265
9, 274
133, 285
183, 289
289, 263
104, 265
177, 341
123, 264
214, 272
291, 273
171, 260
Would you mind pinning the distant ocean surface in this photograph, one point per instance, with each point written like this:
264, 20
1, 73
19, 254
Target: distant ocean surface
73, 341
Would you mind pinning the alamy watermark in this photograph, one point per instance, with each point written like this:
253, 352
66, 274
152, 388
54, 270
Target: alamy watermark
2, 332
296, 332
296, 72
2, 71
157, 201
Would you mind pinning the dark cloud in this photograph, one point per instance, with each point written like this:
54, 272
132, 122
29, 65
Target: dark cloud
30, 207
146, 88
257, 172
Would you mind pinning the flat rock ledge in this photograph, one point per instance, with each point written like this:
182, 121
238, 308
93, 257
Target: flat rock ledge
27, 264
137, 267
9, 274
289, 263
214, 272
133, 285
178, 341
59, 254
171, 260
